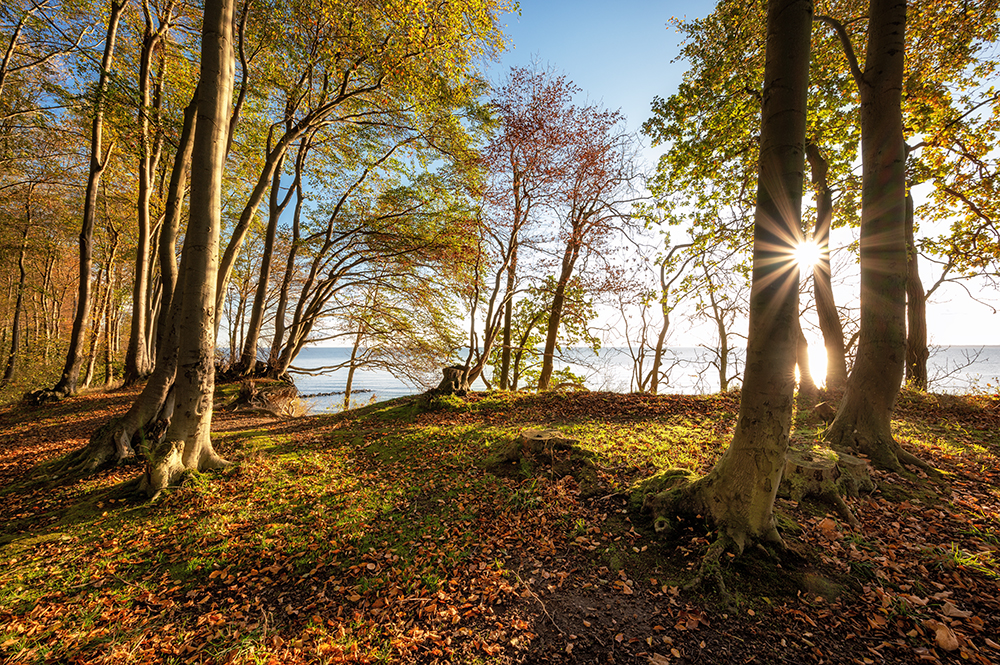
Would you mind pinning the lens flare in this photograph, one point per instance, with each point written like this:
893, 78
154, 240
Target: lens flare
807, 254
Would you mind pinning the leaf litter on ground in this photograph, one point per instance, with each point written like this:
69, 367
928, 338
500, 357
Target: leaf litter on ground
379, 535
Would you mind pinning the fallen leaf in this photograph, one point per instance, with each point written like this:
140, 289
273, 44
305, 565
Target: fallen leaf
944, 636
950, 610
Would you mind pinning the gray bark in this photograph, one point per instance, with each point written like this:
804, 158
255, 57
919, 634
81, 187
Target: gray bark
864, 417
187, 443
916, 312
738, 494
826, 307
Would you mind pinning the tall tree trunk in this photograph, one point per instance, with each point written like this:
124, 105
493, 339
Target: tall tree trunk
187, 443
15, 326
352, 367
826, 307
248, 359
508, 316
277, 342
738, 494
103, 294
138, 362
167, 247
916, 311
109, 333
863, 419
654, 373
807, 386
98, 162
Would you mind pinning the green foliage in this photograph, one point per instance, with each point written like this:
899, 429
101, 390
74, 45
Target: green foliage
530, 315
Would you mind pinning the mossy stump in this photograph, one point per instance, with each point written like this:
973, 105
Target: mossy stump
552, 453
819, 472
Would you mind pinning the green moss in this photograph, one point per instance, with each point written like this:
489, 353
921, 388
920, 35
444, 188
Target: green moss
657, 484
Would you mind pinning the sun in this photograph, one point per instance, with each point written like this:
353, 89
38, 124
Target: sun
807, 254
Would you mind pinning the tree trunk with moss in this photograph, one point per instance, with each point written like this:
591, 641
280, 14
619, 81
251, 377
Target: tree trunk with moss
863, 419
738, 494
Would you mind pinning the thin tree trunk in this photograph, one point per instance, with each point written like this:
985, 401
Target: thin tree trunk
916, 311
508, 315
826, 307
277, 342
102, 296
555, 315
276, 207
98, 162
352, 367
138, 362
807, 386
654, 373
15, 326
172, 217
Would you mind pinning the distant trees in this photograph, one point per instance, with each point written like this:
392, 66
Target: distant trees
559, 184
99, 158
368, 115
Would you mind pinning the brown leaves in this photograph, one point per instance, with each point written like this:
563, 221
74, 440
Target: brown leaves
944, 637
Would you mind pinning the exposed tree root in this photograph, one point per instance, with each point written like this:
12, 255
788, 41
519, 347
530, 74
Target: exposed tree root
552, 453
673, 497
710, 571
45, 396
880, 447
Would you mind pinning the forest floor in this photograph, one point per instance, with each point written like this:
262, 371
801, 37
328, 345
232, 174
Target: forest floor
383, 535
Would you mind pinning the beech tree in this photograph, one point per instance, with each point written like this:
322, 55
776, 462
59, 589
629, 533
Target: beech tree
594, 192
737, 495
706, 179
408, 60
863, 420
187, 444
522, 167
156, 27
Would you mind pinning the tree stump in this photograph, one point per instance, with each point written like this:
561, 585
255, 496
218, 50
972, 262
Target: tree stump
551, 453
278, 399
823, 473
823, 412
454, 381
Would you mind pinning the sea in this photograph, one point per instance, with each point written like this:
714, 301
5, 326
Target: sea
690, 370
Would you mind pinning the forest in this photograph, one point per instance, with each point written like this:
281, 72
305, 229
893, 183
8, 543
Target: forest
193, 193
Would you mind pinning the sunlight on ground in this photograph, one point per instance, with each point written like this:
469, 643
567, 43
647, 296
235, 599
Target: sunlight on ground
807, 254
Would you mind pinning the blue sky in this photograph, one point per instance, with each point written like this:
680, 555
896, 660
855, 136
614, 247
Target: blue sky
620, 53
